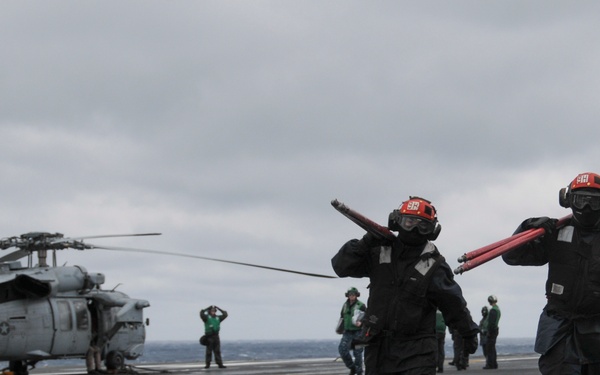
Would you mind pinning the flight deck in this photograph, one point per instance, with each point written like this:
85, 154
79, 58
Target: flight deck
518, 364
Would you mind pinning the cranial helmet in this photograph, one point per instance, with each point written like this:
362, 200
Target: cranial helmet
492, 299
583, 197
416, 214
352, 290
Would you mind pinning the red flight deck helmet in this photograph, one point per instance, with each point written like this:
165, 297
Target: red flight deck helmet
416, 213
583, 197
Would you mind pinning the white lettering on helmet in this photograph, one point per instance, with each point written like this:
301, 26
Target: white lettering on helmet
583, 178
413, 206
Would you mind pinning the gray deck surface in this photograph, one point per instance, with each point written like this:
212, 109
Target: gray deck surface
522, 365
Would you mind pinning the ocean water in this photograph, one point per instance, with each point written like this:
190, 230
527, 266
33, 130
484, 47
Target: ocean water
247, 350
182, 351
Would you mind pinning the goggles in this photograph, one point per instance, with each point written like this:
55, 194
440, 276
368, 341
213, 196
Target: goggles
408, 223
579, 201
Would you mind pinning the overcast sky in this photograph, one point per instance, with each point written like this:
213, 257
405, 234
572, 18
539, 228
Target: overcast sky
229, 126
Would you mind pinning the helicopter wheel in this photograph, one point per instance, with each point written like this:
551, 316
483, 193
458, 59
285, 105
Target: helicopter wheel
18, 367
114, 360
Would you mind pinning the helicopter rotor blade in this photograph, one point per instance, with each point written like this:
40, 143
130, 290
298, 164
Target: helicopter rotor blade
105, 236
15, 255
211, 259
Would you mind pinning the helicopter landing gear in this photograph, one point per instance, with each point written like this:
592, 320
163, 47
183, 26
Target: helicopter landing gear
114, 361
18, 367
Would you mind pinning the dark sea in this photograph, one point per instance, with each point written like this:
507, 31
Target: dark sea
178, 351
246, 351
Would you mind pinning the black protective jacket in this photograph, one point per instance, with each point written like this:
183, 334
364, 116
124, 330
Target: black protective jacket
573, 258
406, 286
572, 311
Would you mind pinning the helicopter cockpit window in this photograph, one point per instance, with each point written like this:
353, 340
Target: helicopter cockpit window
81, 315
64, 316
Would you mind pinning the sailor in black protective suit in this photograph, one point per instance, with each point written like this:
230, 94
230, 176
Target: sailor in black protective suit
409, 279
568, 336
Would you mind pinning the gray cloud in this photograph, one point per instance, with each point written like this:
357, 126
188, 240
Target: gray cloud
229, 126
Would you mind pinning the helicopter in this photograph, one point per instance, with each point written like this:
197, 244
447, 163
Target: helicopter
56, 312
50, 312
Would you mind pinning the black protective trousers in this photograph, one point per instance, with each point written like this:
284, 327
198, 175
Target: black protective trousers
490, 351
213, 345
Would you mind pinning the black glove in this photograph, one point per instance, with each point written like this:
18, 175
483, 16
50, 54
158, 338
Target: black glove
470, 344
371, 240
549, 225
363, 339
